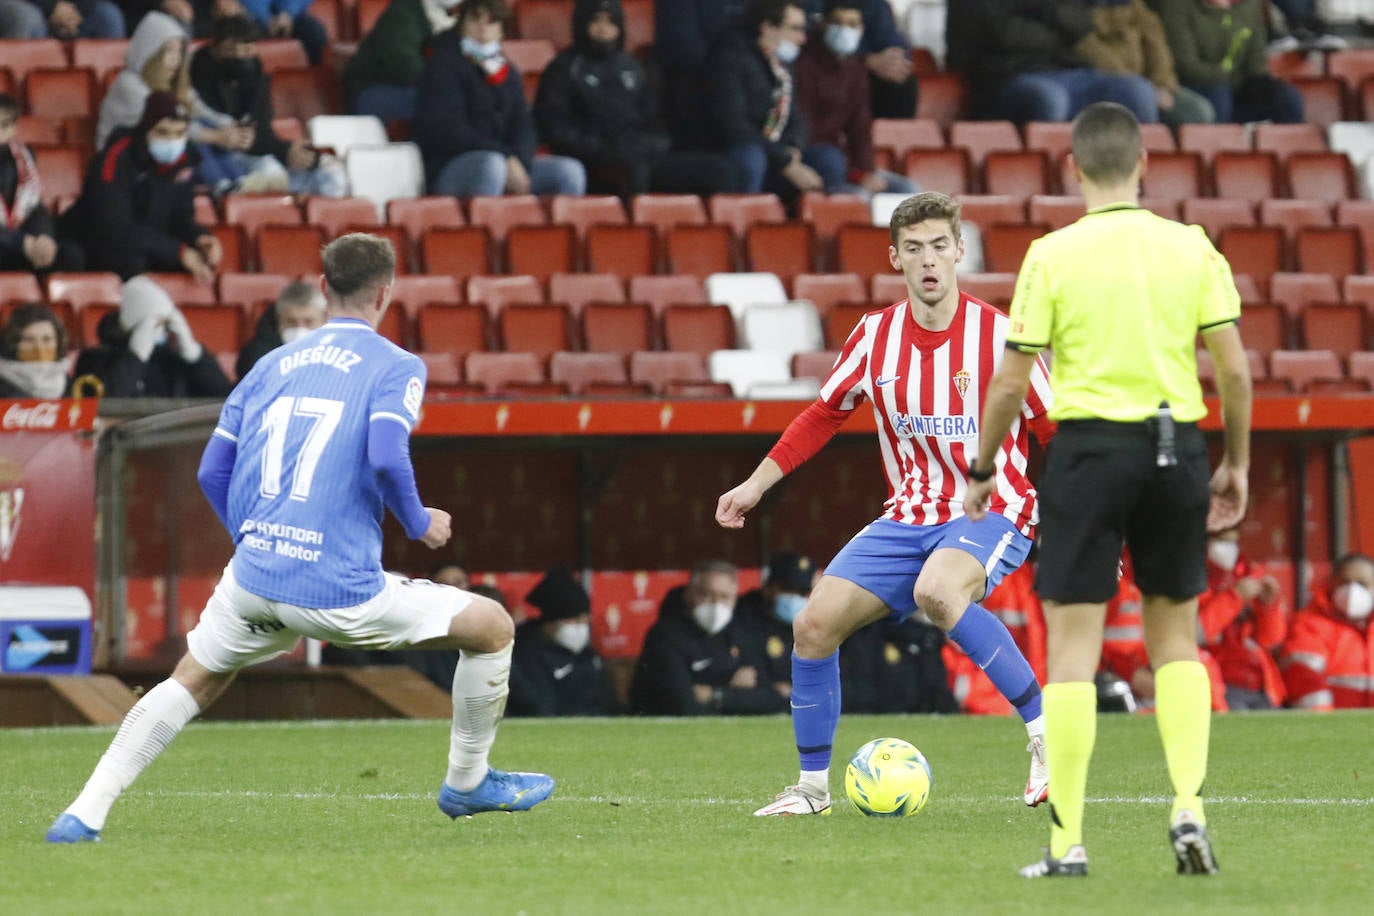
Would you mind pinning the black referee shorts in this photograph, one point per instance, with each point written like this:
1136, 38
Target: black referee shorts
1099, 488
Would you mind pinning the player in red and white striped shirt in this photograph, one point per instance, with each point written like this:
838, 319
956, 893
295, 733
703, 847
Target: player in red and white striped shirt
923, 363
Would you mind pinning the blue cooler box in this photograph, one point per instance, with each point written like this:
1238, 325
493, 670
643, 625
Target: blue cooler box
44, 629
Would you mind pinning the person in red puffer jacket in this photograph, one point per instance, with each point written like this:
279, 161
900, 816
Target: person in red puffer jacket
1242, 620
1328, 657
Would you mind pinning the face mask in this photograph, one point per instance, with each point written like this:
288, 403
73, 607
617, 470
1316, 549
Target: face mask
600, 49
39, 354
573, 636
1353, 600
291, 335
788, 50
1223, 554
788, 606
166, 152
481, 50
843, 39
712, 616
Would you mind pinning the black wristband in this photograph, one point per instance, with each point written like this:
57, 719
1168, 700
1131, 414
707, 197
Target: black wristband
979, 476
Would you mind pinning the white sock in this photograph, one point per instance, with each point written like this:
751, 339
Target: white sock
1035, 728
480, 685
816, 782
148, 728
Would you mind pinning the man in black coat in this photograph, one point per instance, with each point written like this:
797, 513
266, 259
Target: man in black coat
471, 122
765, 616
596, 104
693, 662
554, 671
895, 666
136, 212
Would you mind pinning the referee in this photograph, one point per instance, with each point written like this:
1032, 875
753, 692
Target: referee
1120, 297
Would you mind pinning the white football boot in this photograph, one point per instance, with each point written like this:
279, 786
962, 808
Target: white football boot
794, 800
1038, 782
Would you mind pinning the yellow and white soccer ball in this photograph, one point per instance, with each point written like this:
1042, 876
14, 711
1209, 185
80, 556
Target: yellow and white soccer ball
888, 777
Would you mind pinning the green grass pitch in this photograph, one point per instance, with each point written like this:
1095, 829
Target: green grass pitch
653, 816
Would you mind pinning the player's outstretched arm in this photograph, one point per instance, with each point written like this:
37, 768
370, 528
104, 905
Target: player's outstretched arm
734, 504
216, 469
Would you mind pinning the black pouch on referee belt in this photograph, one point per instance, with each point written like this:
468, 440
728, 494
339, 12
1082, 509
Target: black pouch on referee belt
1162, 429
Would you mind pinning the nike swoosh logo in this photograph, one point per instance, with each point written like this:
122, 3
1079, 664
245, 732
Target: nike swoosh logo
807, 706
701, 664
991, 660
884, 382
560, 673
964, 540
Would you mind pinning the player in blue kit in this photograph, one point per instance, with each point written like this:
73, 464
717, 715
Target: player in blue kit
309, 449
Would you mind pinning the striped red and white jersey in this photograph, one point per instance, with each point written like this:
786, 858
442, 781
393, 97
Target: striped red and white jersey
927, 390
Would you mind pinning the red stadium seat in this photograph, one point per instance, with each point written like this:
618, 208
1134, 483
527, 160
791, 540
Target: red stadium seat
499, 214
892, 137
1284, 140
332, 214
663, 211
250, 212
584, 212
713, 391
816, 365
1321, 176
61, 93
863, 250
659, 370
1288, 64
416, 290
828, 290
36, 129
994, 289
1336, 251
1359, 214
785, 249
83, 289
1246, 176
1293, 215
529, 55
1157, 138
617, 328
946, 169
19, 286
1210, 139
460, 252
1352, 67
441, 369
550, 20
1264, 327
700, 329
1362, 367
887, 288
1342, 329
577, 290
625, 251
1296, 291
980, 138
699, 250
1005, 244
232, 245
290, 249
89, 319
671, 289
218, 328
417, 214
541, 251
498, 292
542, 391
542, 329
101, 56
496, 371
740, 211
454, 329
1247, 288
281, 54
186, 289
1253, 250
1216, 213
984, 210
21, 55
1302, 368
303, 92
61, 169
1175, 176
248, 290
1053, 138
1323, 99
942, 98
639, 24
1055, 211
828, 212
842, 321
581, 371
1359, 290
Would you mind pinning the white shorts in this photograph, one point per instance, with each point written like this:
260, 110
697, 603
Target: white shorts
238, 628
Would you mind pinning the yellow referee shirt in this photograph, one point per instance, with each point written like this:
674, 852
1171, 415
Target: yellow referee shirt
1120, 297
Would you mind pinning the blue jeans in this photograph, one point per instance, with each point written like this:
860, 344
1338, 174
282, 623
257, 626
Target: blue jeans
1058, 95
482, 173
310, 32
754, 174
388, 103
833, 165
102, 20
1260, 98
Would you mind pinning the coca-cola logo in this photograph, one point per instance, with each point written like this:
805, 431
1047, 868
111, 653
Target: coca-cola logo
39, 416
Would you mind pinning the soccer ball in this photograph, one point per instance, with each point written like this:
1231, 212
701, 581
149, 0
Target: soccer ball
888, 777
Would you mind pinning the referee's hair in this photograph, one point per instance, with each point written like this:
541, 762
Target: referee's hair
357, 265
1106, 142
923, 206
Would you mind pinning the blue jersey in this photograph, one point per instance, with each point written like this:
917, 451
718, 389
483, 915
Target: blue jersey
304, 504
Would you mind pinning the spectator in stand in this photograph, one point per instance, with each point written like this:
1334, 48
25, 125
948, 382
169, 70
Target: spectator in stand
471, 120
831, 79
1221, 51
750, 106
156, 61
64, 19
1127, 38
28, 234
765, 615
298, 311
885, 52
895, 666
1242, 620
136, 212
1020, 60
184, 11
1328, 657
1305, 29
33, 354
452, 573
693, 661
380, 78
596, 104
289, 19
555, 671
685, 31
147, 350
227, 75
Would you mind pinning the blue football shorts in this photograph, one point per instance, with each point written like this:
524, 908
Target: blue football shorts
886, 557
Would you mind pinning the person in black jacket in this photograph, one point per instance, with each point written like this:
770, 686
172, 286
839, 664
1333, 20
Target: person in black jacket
136, 212
471, 122
693, 661
596, 104
228, 77
748, 98
299, 309
28, 239
895, 666
147, 350
1019, 60
554, 671
765, 616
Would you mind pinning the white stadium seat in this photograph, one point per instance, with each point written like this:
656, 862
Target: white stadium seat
743, 369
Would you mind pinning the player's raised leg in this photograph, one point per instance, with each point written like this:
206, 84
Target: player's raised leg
951, 583
835, 609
